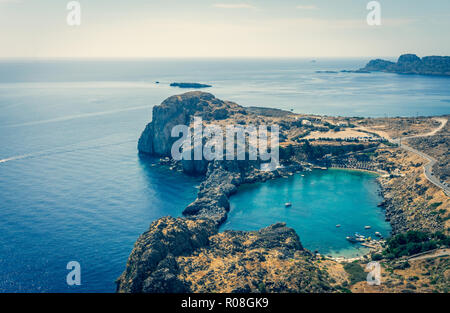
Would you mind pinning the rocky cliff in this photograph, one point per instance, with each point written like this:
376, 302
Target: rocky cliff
187, 255
179, 110
412, 64
221, 177
152, 265
222, 180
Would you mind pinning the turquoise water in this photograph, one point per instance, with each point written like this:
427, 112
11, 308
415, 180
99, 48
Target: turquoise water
72, 186
320, 200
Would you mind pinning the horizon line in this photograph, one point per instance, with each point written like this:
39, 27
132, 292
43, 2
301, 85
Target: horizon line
192, 57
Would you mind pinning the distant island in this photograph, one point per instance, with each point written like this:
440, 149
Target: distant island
189, 85
343, 71
412, 64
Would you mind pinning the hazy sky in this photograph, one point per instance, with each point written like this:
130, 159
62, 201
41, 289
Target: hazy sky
223, 28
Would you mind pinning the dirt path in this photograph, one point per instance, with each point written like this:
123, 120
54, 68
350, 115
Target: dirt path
435, 254
443, 122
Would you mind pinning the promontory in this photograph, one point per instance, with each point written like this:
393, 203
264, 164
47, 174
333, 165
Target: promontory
412, 64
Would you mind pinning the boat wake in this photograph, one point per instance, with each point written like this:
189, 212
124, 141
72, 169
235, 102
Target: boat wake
50, 152
76, 116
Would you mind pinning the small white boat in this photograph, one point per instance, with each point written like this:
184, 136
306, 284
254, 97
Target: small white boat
288, 204
351, 239
338, 225
367, 227
377, 234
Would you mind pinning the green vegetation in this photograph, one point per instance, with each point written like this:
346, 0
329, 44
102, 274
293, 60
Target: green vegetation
377, 257
414, 242
356, 272
434, 206
343, 289
389, 144
262, 288
313, 152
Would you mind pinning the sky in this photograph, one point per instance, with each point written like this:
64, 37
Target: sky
222, 28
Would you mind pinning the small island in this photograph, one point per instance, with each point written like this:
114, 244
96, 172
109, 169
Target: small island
412, 64
189, 85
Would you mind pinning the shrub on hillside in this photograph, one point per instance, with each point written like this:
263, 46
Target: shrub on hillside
414, 242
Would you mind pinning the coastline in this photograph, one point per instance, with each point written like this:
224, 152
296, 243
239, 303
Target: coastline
222, 179
356, 170
337, 257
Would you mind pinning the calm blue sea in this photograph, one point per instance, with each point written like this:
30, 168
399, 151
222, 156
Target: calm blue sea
72, 186
320, 201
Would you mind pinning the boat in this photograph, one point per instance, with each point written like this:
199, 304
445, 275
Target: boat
367, 227
377, 234
288, 204
338, 225
351, 239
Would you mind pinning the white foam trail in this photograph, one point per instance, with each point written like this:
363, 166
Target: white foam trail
55, 151
15, 158
71, 117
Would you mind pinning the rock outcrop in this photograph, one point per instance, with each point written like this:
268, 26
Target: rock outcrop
222, 180
222, 177
412, 64
152, 265
189, 85
179, 110
185, 255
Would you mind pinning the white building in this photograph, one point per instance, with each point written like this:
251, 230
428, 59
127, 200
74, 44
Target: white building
306, 123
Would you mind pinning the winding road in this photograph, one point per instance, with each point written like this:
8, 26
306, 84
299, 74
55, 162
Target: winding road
427, 168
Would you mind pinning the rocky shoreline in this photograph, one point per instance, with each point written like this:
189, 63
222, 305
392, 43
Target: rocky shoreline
188, 254
171, 255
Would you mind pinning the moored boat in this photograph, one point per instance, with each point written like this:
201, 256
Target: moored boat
351, 239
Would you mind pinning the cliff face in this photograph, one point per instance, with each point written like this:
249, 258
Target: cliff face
185, 255
152, 265
178, 110
221, 177
412, 64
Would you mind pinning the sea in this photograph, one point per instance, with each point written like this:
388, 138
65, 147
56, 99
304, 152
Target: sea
74, 188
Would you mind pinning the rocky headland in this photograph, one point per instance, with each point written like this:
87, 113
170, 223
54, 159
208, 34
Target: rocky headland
412, 64
222, 177
188, 254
